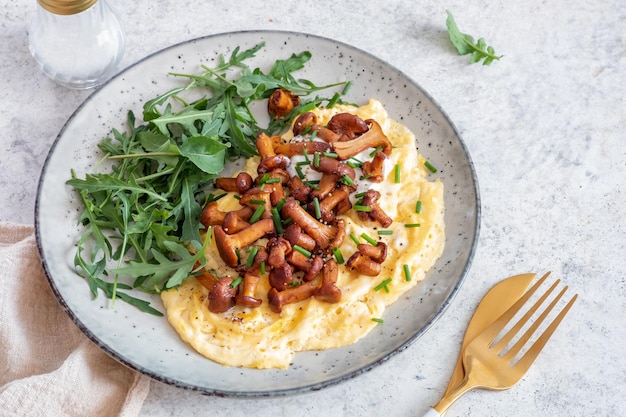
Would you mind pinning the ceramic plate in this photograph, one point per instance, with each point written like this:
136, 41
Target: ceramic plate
147, 343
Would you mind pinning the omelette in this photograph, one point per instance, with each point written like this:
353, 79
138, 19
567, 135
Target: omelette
259, 337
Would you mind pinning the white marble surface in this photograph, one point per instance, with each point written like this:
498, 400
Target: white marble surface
545, 127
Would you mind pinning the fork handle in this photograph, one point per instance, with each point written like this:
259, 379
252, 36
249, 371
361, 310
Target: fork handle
431, 413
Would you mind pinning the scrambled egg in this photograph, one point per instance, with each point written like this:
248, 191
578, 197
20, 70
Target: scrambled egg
260, 338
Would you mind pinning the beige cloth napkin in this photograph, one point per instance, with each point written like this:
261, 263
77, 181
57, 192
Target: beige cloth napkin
47, 366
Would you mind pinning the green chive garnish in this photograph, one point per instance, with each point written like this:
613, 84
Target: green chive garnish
407, 272
299, 172
382, 285
369, 239
333, 100
346, 88
385, 232
306, 156
263, 268
302, 250
313, 136
397, 174
430, 167
257, 201
318, 210
257, 214
236, 282
358, 207
412, 225
316, 159
355, 239
251, 255
278, 223
377, 320
330, 154
347, 180
418, 206
338, 256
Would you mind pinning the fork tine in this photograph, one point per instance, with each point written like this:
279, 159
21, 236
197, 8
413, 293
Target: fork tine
532, 353
504, 341
535, 325
496, 327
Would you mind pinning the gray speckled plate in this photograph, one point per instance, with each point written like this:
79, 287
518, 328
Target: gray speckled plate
147, 343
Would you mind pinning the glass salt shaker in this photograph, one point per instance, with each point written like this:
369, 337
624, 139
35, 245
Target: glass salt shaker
77, 43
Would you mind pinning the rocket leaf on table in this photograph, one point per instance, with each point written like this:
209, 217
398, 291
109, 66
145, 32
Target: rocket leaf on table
464, 44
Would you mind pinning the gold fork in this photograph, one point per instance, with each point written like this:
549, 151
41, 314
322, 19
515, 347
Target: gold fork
487, 361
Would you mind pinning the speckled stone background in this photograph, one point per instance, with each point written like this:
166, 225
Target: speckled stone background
545, 128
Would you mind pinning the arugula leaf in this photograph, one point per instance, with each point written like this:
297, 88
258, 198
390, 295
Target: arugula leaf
464, 44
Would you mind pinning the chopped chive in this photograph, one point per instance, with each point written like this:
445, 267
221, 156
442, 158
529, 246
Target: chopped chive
272, 181
418, 206
333, 100
299, 172
251, 255
346, 88
278, 223
407, 272
377, 320
412, 225
257, 214
359, 195
338, 256
355, 239
280, 204
356, 161
316, 159
347, 180
237, 197
364, 177
382, 285
303, 163
236, 282
362, 208
330, 155
397, 174
378, 148
306, 130
264, 178
238, 253
430, 167
313, 136
302, 250
306, 156
353, 164
257, 201
262, 267
385, 232
369, 239
318, 210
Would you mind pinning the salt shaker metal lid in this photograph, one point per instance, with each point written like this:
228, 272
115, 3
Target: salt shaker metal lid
66, 7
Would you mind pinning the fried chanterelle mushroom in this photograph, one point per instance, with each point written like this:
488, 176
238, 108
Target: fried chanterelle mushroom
288, 226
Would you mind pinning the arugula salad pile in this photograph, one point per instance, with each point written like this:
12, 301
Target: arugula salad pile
143, 215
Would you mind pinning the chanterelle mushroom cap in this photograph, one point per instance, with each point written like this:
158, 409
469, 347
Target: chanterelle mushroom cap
373, 138
347, 126
222, 295
328, 290
281, 102
323, 234
228, 245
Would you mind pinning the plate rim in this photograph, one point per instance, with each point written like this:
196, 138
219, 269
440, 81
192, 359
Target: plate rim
259, 393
